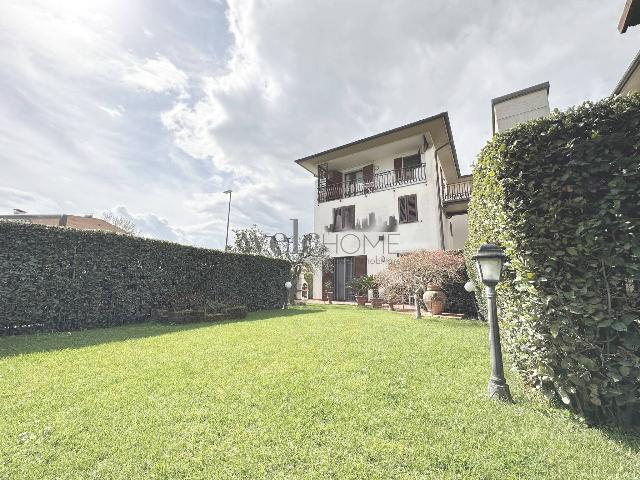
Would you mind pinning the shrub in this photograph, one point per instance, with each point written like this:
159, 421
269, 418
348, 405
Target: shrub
560, 195
55, 278
412, 272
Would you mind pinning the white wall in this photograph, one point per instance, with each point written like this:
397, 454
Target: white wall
456, 231
423, 234
521, 109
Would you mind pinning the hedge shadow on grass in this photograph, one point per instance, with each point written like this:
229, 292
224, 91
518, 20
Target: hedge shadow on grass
11, 346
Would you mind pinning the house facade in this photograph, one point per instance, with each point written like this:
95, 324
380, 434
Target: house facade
398, 191
386, 195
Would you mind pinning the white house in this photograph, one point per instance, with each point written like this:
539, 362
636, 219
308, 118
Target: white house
398, 191
390, 193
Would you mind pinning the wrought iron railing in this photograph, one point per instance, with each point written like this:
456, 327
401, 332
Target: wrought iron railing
456, 192
377, 182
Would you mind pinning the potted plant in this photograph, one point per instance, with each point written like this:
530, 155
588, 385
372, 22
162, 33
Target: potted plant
361, 287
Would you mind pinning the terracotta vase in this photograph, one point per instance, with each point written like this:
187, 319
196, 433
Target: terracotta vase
361, 300
376, 303
434, 299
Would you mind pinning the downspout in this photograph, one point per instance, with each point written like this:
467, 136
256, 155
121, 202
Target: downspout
440, 206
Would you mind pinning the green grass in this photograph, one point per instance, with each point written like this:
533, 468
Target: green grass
332, 392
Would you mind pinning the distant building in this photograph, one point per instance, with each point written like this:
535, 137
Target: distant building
630, 15
521, 106
81, 222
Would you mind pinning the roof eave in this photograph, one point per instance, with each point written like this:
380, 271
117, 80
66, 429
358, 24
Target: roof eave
443, 115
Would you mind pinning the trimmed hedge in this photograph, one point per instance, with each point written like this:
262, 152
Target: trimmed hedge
54, 278
561, 196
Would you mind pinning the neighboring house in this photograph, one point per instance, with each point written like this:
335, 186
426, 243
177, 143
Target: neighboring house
398, 191
630, 81
630, 15
81, 222
517, 107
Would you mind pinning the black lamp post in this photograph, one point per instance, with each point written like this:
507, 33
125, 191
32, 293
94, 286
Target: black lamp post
490, 262
287, 286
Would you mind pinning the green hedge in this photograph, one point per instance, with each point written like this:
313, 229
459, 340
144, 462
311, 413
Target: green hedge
55, 278
561, 195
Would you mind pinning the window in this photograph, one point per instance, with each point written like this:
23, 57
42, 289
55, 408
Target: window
344, 218
353, 183
411, 161
408, 208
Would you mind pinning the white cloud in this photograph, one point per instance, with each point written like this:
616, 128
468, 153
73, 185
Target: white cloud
113, 112
156, 75
30, 202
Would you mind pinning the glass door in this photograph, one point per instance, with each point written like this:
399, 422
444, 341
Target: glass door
343, 273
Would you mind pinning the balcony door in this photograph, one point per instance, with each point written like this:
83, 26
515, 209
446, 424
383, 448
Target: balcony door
353, 183
346, 269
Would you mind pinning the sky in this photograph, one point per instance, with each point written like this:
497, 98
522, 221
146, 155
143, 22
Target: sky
152, 108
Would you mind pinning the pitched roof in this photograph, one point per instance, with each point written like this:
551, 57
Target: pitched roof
630, 15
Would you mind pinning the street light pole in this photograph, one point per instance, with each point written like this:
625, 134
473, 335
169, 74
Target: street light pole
226, 240
490, 261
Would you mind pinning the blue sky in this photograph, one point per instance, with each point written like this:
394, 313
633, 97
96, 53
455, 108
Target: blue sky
153, 108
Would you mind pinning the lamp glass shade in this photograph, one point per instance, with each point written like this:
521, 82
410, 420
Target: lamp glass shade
490, 269
287, 285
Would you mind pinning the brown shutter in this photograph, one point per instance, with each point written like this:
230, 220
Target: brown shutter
360, 268
402, 209
412, 208
397, 166
367, 178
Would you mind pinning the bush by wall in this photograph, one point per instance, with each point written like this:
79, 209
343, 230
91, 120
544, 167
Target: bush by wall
561, 196
64, 279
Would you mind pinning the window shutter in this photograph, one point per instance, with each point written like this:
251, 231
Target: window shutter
412, 208
360, 269
402, 209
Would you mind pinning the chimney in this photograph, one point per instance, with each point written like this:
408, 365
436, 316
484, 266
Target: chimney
517, 107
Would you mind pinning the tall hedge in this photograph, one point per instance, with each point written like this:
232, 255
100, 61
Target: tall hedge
55, 278
561, 196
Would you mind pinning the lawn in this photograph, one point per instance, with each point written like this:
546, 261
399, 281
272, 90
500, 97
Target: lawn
316, 392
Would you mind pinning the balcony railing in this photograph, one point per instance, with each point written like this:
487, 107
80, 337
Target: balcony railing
456, 192
377, 182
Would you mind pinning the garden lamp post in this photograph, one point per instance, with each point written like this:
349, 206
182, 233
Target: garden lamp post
490, 262
287, 286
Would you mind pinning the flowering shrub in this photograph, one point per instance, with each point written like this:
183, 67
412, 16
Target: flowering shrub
413, 272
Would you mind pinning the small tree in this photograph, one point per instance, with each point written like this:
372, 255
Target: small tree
311, 253
416, 270
126, 225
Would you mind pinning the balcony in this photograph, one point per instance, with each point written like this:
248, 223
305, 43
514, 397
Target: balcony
456, 192
375, 183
